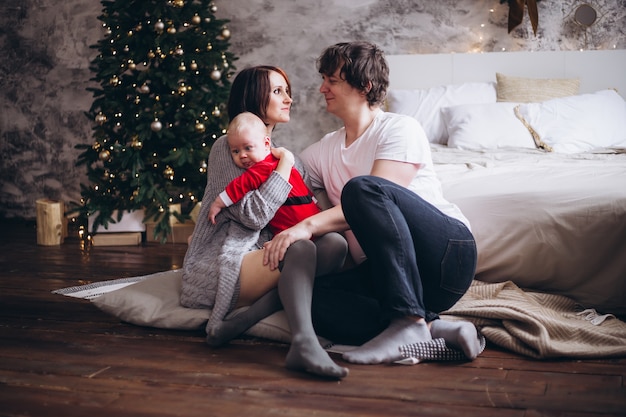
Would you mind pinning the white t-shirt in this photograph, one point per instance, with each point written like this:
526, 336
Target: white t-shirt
390, 136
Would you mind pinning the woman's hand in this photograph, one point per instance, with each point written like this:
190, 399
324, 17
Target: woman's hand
275, 249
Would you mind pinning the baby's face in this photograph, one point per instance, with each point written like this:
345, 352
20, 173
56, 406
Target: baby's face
248, 147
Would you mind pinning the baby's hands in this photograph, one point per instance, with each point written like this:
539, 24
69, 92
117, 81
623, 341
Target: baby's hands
212, 213
284, 155
214, 209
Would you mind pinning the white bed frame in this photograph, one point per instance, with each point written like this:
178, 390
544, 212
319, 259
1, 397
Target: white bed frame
596, 70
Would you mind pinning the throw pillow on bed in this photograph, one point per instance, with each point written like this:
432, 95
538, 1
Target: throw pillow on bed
532, 90
425, 105
485, 126
578, 124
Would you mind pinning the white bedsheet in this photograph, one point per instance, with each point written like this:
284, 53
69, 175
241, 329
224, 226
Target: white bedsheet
551, 222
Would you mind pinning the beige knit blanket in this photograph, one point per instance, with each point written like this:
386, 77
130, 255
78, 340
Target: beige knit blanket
537, 324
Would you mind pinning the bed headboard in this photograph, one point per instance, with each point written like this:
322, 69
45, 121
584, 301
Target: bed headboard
596, 70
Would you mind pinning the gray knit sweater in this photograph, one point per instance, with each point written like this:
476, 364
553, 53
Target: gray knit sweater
213, 260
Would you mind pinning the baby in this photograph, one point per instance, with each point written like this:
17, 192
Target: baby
250, 147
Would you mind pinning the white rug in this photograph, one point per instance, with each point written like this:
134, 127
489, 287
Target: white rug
95, 289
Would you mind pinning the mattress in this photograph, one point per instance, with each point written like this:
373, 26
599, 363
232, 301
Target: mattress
546, 221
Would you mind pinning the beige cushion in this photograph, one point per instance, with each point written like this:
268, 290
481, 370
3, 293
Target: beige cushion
533, 90
154, 302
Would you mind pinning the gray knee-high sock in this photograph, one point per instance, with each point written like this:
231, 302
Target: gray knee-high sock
332, 249
295, 287
241, 321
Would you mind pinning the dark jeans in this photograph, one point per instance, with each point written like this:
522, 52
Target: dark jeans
419, 262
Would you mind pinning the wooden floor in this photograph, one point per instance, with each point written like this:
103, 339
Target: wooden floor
61, 356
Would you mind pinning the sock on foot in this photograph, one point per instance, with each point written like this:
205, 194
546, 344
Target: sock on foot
309, 356
241, 321
461, 335
385, 347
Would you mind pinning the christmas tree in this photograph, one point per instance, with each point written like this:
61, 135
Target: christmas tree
163, 71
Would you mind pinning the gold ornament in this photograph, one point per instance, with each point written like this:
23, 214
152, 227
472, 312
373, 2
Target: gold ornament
182, 67
212, 7
200, 128
196, 19
225, 33
104, 155
182, 89
159, 26
179, 3
193, 65
101, 118
169, 172
131, 64
171, 30
216, 112
136, 143
151, 54
145, 89
114, 80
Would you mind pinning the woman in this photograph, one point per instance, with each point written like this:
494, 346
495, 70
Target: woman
223, 268
378, 173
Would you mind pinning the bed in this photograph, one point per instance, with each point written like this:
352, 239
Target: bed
532, 147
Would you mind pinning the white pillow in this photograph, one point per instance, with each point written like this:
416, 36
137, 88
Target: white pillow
485, 126
425, 104
578, 123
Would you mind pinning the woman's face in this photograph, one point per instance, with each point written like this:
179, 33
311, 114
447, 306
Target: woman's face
280, 102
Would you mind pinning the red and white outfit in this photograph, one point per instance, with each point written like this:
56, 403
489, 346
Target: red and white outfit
300, 202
